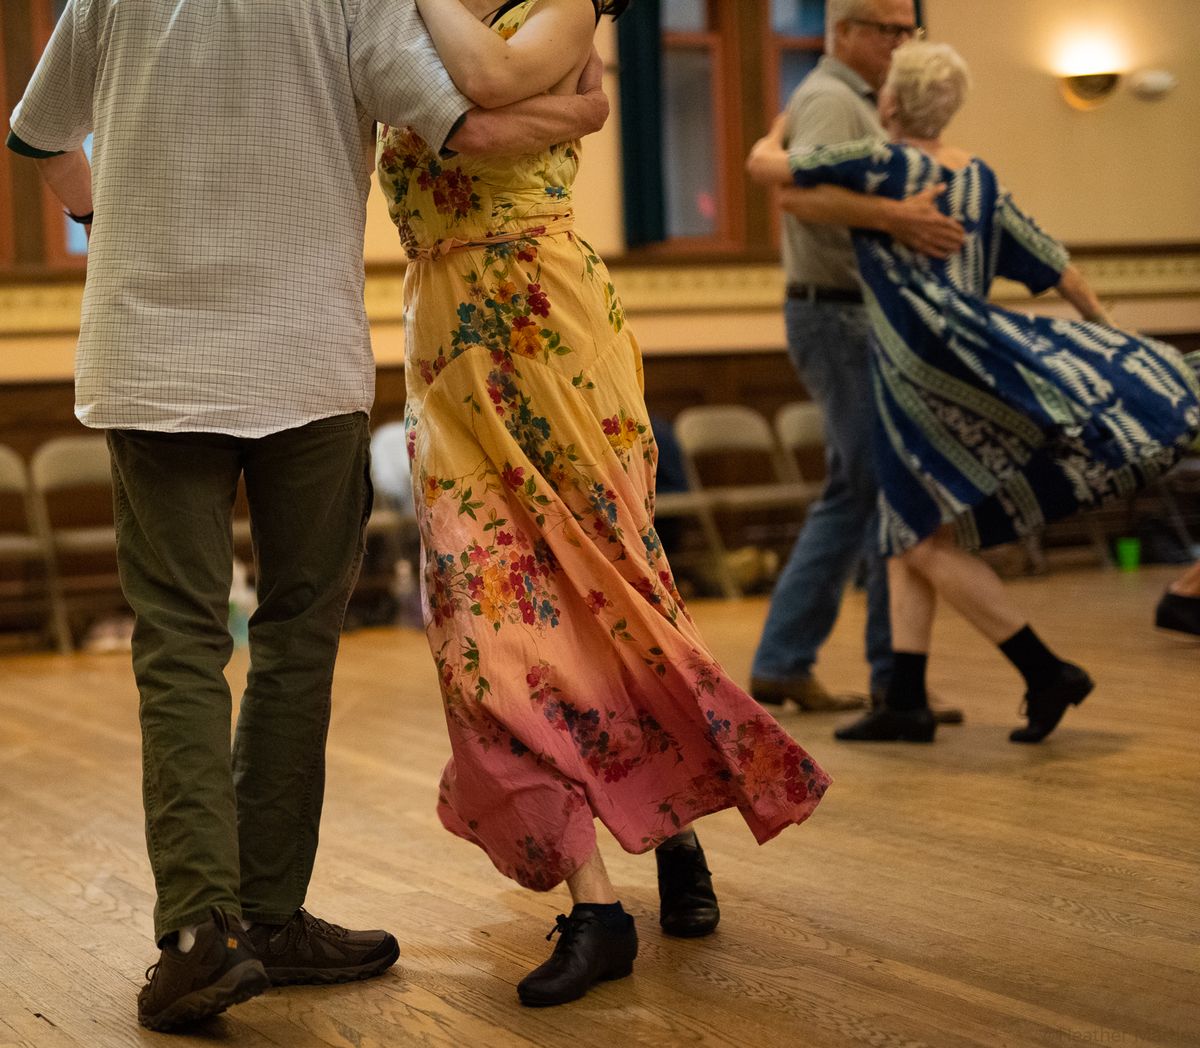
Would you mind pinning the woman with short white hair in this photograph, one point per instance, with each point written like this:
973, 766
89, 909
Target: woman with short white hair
989, 423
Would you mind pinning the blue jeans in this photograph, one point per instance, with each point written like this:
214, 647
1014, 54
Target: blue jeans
829, 344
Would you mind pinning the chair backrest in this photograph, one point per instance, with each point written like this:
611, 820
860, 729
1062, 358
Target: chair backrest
800, 427
13, 475
69, 462
707, 429
800, 424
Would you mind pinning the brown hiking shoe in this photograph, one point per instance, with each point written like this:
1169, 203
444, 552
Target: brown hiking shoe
218, 971
309, 950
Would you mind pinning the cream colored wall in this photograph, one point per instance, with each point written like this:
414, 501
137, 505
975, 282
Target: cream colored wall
1125, 172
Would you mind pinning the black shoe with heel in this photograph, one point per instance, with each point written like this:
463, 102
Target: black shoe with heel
1046, 706
888, 725
587, 952
686, 900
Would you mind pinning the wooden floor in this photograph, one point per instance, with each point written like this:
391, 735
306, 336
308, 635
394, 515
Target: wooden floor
969, 893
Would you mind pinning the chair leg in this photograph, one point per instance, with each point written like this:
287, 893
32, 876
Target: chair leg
712, 535
1174, 514
59, 623
1035, 556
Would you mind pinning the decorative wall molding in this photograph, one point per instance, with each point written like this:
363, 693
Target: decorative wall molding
53, 309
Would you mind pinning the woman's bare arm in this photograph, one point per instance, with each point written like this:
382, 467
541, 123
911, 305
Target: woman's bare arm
1077, 291
493, 71
69, 176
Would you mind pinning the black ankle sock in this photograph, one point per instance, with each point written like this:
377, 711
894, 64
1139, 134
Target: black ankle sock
906, 689
687, 839
1035, 662
611, 914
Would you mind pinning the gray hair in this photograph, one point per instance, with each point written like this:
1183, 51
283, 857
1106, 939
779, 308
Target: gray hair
929, 83
839, 11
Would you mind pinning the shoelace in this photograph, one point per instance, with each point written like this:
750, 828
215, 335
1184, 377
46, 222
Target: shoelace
568, 926
305, 926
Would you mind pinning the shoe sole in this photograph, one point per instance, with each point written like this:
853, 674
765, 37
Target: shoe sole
691, 933
1085, 688
239, 984
544, 1002
1177, 632
332, 976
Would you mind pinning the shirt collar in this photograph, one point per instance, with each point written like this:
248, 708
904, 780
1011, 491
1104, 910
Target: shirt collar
836, 67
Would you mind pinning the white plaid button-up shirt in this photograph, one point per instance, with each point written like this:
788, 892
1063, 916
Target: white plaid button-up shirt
231, 165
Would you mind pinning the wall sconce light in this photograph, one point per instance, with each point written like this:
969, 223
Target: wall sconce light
1088, 90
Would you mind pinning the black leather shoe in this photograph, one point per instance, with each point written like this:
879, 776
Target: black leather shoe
941, 714
888, 725
687, 904
1045, 708
586, 953
1178, 613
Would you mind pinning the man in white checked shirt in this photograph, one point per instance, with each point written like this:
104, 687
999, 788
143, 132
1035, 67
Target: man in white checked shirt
223, 334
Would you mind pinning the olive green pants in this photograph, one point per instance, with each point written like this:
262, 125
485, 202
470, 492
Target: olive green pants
236, 828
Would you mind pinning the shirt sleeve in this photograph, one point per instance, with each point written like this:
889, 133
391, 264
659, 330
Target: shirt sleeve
397, 76
55, 113
866, 166
1028, 254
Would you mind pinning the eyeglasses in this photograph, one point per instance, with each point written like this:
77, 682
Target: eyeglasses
894, 31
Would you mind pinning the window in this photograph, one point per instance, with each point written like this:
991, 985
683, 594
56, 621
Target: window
727, 68
7, 208
796, 41
726, 65
699, 111
27, 244
65, 242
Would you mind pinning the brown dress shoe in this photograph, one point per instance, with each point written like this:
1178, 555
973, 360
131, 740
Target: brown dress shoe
806, 692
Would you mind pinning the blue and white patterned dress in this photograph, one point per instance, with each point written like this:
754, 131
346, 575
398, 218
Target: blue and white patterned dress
988, 419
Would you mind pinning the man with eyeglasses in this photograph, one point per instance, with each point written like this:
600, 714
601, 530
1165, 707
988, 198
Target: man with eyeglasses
828, 332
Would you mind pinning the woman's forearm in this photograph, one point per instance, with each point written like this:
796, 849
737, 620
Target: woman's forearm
531, 125
493, 70
69, 177
1076, 290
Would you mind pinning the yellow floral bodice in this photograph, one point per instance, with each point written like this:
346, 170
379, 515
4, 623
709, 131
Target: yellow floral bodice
443, 201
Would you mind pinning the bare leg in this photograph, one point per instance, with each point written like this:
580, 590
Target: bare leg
1188, 584
969, 585
590, 882
912, 601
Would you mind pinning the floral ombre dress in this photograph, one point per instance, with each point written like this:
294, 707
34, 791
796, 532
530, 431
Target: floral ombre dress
575, 684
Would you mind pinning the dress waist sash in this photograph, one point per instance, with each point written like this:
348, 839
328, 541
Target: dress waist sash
442, 248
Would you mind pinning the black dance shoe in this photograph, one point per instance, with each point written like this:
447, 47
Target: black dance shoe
687, 904
941, 714
888, 725
586, 953
1178, 613
1045, 707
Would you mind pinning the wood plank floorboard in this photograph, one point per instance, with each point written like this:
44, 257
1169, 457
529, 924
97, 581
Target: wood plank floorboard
969, 894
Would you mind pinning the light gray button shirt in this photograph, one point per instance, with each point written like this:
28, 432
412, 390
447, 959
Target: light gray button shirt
833, 104
231, 164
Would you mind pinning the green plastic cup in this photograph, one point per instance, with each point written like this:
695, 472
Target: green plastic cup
1129, 553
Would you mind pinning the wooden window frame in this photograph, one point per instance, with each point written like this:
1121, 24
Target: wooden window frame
7, 208
54, 237
721, 41
775, 45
